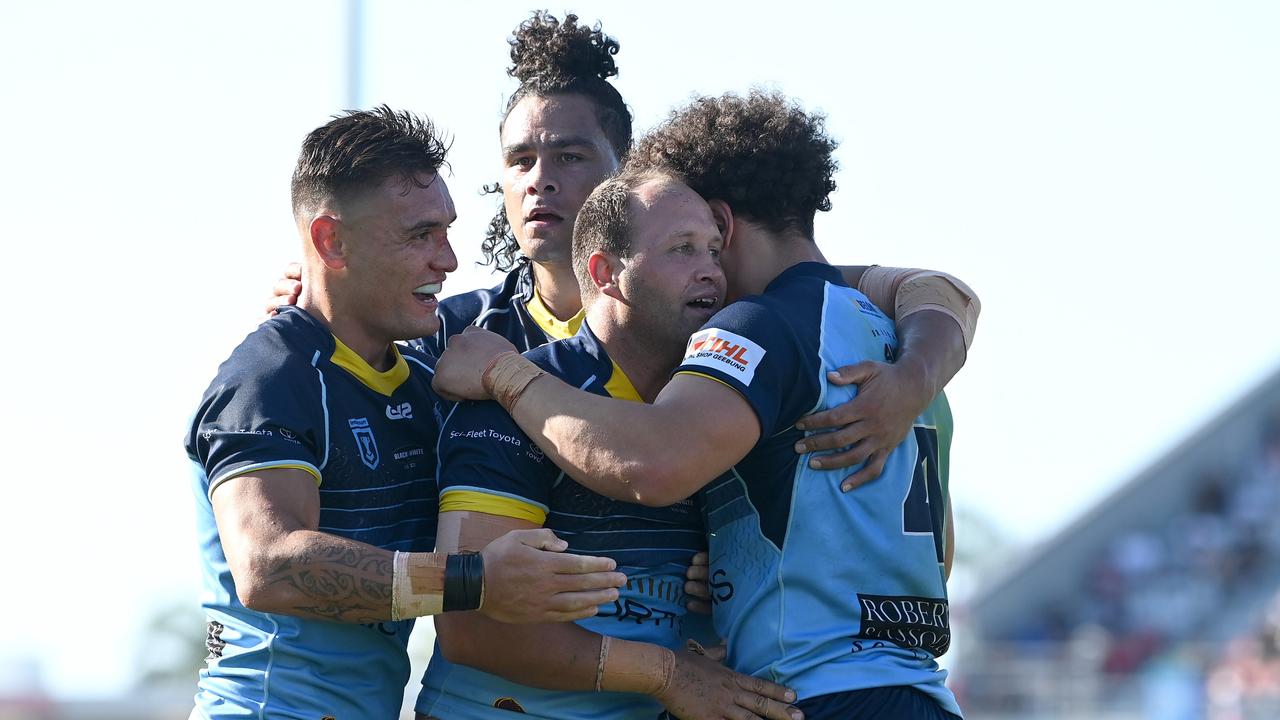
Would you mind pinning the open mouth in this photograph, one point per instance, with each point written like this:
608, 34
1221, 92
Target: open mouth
704, 303
427, 293
542, 216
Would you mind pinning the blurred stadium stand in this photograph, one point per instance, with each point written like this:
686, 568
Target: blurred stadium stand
1161, 602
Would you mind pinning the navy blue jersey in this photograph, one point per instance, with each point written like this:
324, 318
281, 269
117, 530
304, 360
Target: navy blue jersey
819, 590
487, 464
512, 310
293, 396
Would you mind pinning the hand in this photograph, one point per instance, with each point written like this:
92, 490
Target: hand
695, 585
872, 424
528, 580
286, 290
460, 370
703, 689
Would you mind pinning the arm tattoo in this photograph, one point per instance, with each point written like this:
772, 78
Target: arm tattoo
338, 581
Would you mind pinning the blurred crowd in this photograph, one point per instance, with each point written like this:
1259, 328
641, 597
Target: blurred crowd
1169, 623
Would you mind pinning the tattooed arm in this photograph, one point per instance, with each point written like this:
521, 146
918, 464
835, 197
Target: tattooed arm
282, 564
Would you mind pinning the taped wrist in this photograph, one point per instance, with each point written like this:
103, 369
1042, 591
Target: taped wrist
909, 291
463, 582
507, 376
417, 585
627, 666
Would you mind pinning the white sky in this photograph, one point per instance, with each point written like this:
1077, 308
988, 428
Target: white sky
1105, 174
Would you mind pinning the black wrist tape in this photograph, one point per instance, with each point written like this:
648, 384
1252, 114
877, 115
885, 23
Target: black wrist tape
463, 581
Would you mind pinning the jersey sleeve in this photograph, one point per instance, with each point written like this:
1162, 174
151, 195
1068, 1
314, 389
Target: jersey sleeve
751, 348
487, 464
251, 421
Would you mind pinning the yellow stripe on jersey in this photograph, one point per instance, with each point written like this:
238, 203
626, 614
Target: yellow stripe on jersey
379, 382
620, 387
474, 501
704, 375
554, 327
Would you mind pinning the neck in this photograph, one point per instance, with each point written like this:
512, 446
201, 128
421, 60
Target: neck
772, 253
558, 288
647, 370
323, 306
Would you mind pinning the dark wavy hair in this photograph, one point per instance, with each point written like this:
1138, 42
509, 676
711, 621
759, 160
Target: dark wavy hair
762, 154
553, 57
359, 149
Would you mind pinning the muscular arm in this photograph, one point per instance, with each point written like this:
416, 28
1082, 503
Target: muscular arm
696, 429
282, 564
688, 685
932, 348
515, 652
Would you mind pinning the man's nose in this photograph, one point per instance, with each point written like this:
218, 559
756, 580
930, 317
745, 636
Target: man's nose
541, 179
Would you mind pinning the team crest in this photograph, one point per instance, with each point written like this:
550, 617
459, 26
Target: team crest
365, 442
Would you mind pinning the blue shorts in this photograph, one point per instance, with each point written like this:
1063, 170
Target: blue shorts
896, 703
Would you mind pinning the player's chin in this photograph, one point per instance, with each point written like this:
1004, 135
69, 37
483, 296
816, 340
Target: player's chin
419, 325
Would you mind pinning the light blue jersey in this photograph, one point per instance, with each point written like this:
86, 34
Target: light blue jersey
290, 396
819, 590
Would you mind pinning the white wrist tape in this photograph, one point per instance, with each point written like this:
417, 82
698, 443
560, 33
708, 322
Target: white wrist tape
412, 596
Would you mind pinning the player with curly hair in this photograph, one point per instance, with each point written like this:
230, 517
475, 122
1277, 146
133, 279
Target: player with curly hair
858, 634
565, 129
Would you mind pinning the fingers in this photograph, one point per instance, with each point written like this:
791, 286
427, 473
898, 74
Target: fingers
293, 271
759, 706
697, 589
698, 607
844, 437
576, 602
869, 472
717, 653
855, 374
286, 290
696, 573
766, 699
855, 455
701, 558
589, 581
837, 416
760, 686
565, 564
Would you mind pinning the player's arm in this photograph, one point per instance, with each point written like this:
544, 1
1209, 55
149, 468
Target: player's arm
655, 455
691, 686
936, 316
281, 563
949, 553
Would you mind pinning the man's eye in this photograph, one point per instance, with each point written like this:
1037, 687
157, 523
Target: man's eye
523, 163
570, 158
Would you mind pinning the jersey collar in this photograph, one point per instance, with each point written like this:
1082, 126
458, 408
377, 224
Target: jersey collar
555, 328
380, 382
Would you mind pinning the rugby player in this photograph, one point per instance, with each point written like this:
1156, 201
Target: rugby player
314, 447
565, 129
856, 633
645, 292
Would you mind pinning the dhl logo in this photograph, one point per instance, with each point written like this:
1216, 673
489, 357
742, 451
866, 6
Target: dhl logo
720, 346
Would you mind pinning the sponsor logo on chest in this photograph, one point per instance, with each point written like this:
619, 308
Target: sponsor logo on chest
403, 411
725, 351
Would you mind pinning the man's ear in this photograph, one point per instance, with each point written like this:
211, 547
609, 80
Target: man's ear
724, 219
325, 233
604, 270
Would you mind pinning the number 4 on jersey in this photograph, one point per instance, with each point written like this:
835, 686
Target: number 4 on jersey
924, 509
